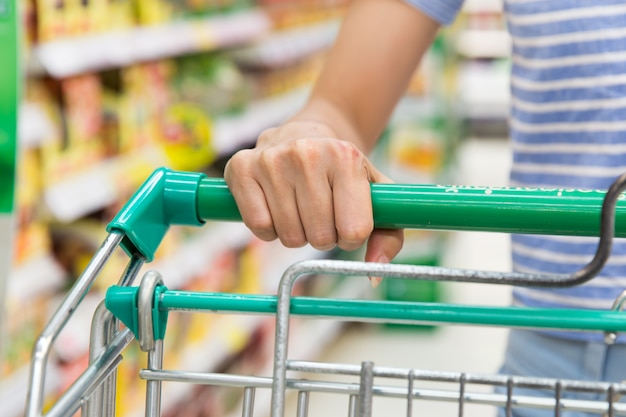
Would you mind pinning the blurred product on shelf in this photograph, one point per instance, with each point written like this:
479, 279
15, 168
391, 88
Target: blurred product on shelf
95, 137
483, 46
125, 86
287, 14
62, 19
266, 83
211, 81
32, 239
58, 19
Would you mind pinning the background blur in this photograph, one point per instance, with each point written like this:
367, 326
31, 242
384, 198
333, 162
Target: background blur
116, 88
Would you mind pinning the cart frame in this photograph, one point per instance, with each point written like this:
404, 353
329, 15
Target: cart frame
169, 198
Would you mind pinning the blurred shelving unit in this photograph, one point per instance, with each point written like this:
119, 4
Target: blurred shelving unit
114, 90
185, 85
120, 48
484, 48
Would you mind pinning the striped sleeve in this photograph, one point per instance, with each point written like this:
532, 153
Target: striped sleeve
443, 11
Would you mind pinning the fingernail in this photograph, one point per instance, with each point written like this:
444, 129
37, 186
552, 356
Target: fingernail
375, 281
382, 259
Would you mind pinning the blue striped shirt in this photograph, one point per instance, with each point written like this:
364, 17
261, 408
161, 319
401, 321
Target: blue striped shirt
567, 126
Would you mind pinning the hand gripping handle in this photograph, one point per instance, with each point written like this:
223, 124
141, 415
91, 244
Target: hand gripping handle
170, 197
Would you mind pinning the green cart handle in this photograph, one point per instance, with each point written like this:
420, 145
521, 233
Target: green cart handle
182, 198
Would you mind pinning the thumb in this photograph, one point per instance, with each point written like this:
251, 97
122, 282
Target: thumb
382, 246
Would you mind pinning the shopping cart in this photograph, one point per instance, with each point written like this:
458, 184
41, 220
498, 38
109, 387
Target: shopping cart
176, 198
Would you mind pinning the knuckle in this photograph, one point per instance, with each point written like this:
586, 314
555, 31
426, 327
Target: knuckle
239, 162
323, 239
267, 135
348, 151
270, 159
355, 236
293, 240
304, 153
262, 227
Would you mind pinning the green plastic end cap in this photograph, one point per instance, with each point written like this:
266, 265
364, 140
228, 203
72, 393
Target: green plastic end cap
166, 198
122, 302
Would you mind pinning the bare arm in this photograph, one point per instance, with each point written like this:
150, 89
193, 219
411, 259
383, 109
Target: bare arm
307, 181
378, 49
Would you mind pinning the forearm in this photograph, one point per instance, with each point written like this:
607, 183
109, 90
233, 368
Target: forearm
308, 180
367, 71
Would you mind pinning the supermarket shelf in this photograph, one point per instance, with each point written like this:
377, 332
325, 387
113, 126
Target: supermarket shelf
285, 47
190, 259
97, 187
68, 57
14, 388
196, 255
484, 44
33, 126
483, 91
483, 6
39, 275
234, 132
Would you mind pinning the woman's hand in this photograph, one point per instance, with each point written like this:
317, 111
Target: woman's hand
302, 184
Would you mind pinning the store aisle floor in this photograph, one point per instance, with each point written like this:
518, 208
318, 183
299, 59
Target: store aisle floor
448, 348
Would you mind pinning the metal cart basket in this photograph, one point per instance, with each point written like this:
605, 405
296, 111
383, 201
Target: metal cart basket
178, 198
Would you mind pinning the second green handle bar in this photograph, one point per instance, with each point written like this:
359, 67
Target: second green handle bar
555, 211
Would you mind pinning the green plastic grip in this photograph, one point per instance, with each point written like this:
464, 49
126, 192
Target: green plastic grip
438, 207
182, 198
121, 301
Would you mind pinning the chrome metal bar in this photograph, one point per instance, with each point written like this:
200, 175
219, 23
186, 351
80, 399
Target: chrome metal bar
303, 403
103, 327
611, 398
132, 270
43, 345
153, 388
147, 342
607, 225
409, 397
557, 399
494, 399
352, 405
455, 377
145, 301
347, 268
95, 373
248, 402
509, 398
462, 395
225, 380
365, 389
